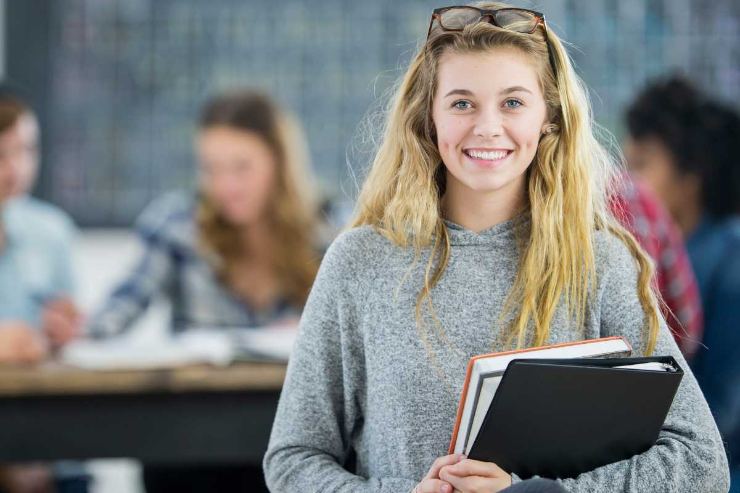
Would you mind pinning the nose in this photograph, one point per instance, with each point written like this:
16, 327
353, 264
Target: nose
489, 124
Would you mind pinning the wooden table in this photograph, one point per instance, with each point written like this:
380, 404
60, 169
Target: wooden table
192, 414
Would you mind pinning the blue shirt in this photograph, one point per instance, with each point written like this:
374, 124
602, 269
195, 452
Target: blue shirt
714, 249
35, 261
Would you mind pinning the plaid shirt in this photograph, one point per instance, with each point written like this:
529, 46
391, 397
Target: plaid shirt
172, 266
640, 212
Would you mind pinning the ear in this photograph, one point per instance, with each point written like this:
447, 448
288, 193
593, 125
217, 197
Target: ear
549, 128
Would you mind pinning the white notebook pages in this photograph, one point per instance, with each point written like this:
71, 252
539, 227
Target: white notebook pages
215, 346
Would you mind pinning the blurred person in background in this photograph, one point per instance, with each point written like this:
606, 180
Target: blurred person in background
686, 147
36, 279
36, 239
241, 252
640, 211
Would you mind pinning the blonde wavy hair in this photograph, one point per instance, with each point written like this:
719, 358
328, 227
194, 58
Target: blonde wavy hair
568, 186
292, 211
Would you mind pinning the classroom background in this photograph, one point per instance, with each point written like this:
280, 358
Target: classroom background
117, 85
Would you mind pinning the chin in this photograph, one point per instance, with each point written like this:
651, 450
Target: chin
476, 186
238, 221
244, 218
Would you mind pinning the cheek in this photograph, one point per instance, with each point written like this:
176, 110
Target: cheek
526, 134
263, 180
223, 186
673, 191
258, 187
28, 164
658, 176
5, 173
450, 134
213, 189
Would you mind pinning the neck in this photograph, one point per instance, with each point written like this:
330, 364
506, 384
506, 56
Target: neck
480, 211
256, 239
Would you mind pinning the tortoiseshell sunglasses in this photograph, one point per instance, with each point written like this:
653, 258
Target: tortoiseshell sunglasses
525, 21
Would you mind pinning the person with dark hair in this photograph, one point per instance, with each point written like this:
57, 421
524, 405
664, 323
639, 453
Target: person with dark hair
687, 146
641, 212
241, 252
36, 280
37, 313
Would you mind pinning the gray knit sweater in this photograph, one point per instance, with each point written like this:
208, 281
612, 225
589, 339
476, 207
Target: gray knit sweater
361, 379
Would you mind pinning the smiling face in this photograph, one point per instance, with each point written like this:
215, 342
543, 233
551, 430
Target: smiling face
488, 113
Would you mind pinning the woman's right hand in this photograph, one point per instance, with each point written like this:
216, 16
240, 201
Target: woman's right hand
431, 482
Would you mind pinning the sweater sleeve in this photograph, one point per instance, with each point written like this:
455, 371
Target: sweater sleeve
319, 411
688, 454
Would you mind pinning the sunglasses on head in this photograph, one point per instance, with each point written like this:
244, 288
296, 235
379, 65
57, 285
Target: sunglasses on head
524, 21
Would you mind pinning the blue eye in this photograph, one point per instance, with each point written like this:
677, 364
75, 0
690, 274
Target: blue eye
462, 104
513, 103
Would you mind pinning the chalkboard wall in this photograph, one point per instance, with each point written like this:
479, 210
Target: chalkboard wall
118, 83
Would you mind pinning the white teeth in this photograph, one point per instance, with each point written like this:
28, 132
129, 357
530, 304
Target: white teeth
488, 155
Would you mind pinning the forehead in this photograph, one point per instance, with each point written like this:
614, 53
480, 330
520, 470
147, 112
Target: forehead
484, 72
648, 146
223, 134
225, 142
24, 129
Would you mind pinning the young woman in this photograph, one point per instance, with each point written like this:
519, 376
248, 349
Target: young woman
243, 251
482, 225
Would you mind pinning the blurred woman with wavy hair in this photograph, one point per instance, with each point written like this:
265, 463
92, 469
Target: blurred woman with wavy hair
483, 225
243, 251
240, 253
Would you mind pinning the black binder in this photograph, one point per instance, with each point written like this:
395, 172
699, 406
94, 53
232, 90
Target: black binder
557, 418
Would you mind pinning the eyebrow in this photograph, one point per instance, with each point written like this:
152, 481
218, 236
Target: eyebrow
508, 90
461, 92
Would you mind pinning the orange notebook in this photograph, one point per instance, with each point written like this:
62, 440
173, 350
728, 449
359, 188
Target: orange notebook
484, 373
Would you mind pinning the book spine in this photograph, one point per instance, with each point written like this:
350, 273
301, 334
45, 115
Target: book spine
461, 406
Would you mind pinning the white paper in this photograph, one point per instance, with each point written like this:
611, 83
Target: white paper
191, 347
487, 391
270, 342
